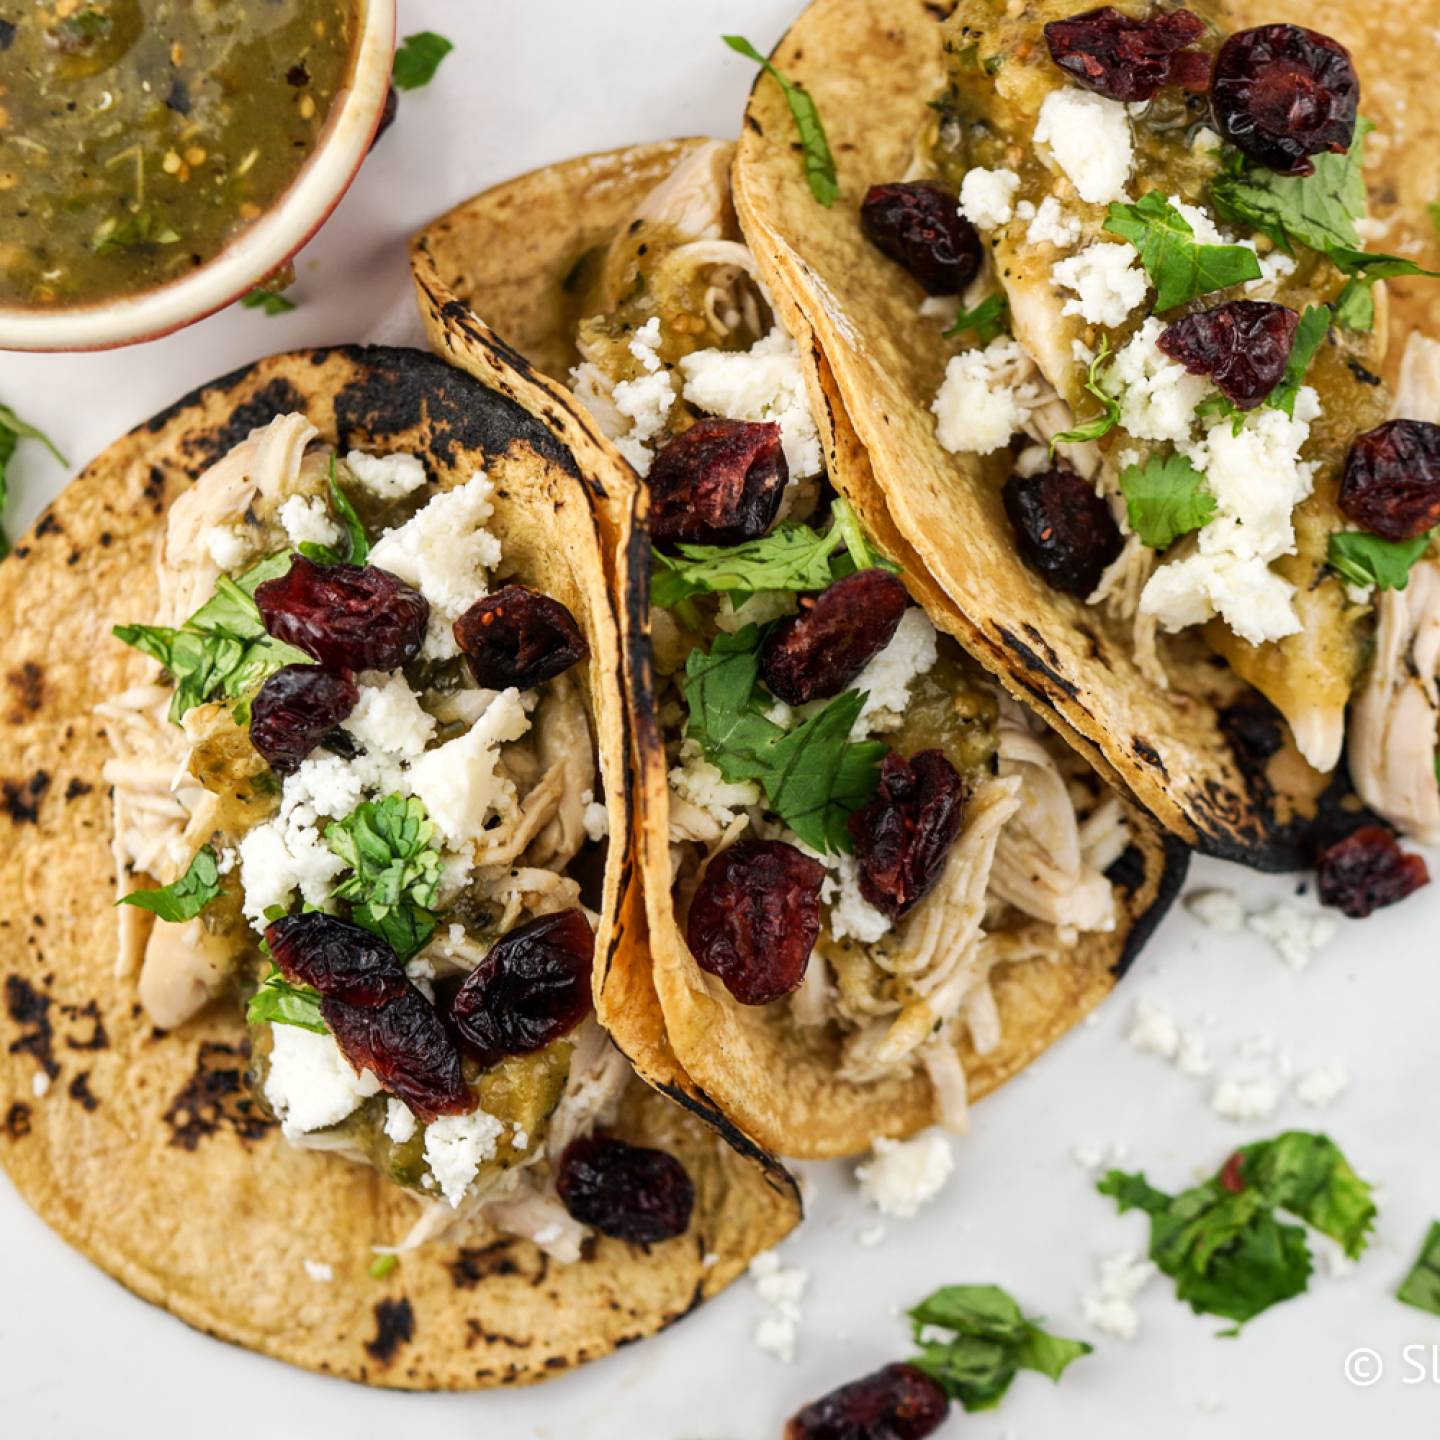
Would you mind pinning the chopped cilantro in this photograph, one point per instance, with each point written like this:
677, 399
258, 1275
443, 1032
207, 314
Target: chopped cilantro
1309, 336
1108, 416
356, 549
988, 319
12, 431
1221, 1242
1355, 306
394, 870
1421, 1287
1165, 498
381, 1266
1433, 211
417, 60
1355, 309
185, 898
223, 648
1180, 267
1318, 210
1364, 559
132, 233
990, 1342
272, 302
814, 776
819, 162
791, 557
278, 1002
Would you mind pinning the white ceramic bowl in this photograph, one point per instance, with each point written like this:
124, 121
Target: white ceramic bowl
258, 251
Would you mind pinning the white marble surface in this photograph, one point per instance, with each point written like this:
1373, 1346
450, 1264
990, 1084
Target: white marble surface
534, 81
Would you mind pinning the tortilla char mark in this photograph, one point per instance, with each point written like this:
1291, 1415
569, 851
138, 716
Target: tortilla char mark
394, 1327
27, 682
215, 1096
20, 799
30, 1011
16, 1124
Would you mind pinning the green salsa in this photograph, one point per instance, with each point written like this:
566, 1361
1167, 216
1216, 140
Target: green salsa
139, 137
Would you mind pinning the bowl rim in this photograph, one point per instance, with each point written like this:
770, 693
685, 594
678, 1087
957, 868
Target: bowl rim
262, 249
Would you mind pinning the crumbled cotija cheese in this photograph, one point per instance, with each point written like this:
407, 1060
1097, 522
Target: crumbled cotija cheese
306, 520
695, 779
1154, 1031
987, 197
455, 1148
903, 1175
1296, 936
647, 400
1110, 1308
979, 407
388, 477
1089, 137
765, 382
1107, 280
229, 548
781, 1289
388, 718
1157, 395
318, 1271
400, 1121
1321, 1087
1245, 1099
886, 680
1221, 910
1053, 225
851, 914
309, 1084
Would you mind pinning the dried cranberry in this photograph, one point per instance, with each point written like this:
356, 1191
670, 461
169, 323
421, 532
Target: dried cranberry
1242, 345
295, 709
387, 115
1232, 1174
532, 988
900, 1402
918, 224
1282, 93
904, 834
1368, 870
1062, 527
380, 1021
625, 1191
350, 617
755, 918
518, 637
837, 633
717, 484
1127, 59
1391, 484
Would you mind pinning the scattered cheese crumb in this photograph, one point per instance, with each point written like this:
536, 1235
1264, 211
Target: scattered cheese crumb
1053, 225
1109, 1308
781, 1289
321, 1273
228, 548
1107, 280
903, 1175
871, 1236
389, 477
1323, 1086
455, 1148
1245, 1099
1157, 395
1218, 909
1154, 1031
40, 1084
1297, 937
400, 1122
911, 652
980, 405
1089, 137
388, 718
308, 521
310, 1085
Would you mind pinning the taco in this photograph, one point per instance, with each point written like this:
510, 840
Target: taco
876, 885
1114, 404
355, 778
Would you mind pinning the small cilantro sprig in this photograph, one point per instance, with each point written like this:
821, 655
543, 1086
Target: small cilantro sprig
417, 60
1165, 498
1309, 337
223, 648
1364, 559
1180, 267
12, 431
272, 302
394, 870
1355, 308
278, 1002
1108, 416
139, 231
1221, 1241
990, 1342
1421, 1287
987, 320
791, 557
814, 776
819, 162
356, 549
185, 898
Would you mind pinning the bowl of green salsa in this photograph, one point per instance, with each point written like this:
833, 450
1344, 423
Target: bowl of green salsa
159, 158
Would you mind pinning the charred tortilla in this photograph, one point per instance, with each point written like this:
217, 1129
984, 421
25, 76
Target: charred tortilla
144, 1149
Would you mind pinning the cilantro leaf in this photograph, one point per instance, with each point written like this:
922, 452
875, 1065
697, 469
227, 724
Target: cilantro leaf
278, 1002
988, 319
1355, 305
1365, 559
185, 898
417, 60
791, 557
13, 430
1421, 1287
1318, 210
1109, 414
1355, 309
1221, 1242
394, 870
814, 776
223, 648
356, 549
272, 302
991, 1341
1165, 498
134, 232
1309, 337
819, 162
1180, 267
